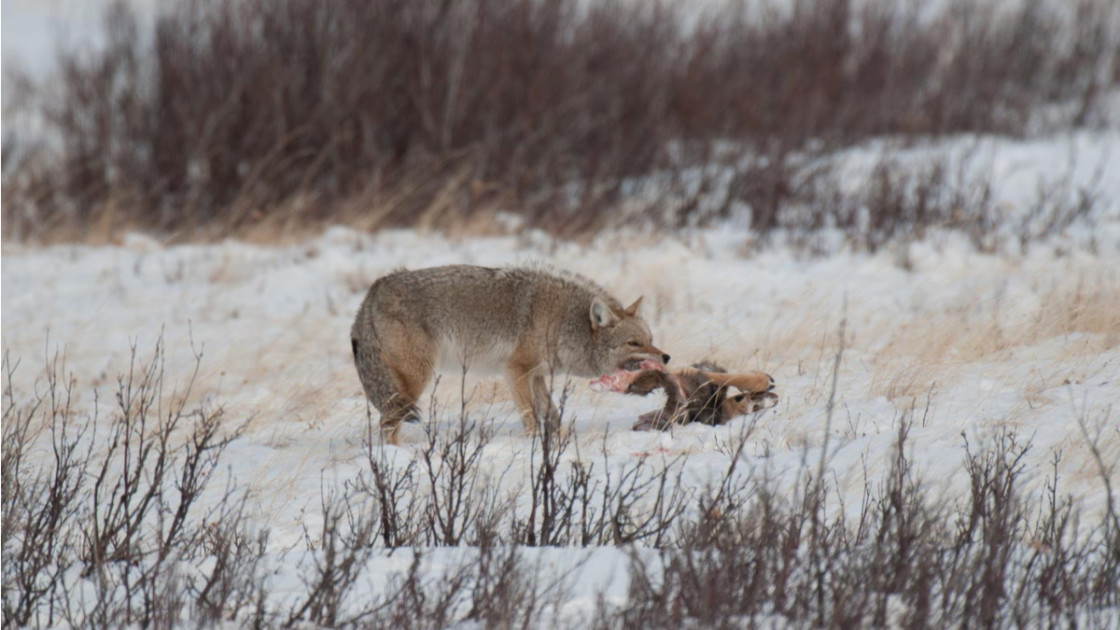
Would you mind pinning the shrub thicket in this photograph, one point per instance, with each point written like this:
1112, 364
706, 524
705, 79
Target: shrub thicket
108, 520
439, 112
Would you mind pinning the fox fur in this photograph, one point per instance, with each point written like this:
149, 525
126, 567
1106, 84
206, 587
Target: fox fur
528, 324
701, 393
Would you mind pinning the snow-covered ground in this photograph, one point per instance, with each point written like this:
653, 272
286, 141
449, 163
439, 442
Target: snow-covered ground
1027, 340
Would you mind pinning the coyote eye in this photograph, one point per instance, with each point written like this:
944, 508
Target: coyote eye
634, 344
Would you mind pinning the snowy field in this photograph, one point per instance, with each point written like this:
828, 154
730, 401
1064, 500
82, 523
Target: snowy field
965, 344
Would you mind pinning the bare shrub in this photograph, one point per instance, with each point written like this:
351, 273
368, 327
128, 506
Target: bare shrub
338, 553
491, 586
504, 588
747, 549
806, 200
394, 490
101, 531
42, 505
413, 602
904, 559
237, 581
144, 492
1058, 205
457, 497
633, 503
569, 505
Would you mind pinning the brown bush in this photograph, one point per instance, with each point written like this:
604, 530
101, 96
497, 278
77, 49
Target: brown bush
439, 112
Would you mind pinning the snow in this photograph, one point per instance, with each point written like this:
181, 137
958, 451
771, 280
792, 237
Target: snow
963, 342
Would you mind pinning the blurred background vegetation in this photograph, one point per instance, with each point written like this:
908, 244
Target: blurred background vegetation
275, 117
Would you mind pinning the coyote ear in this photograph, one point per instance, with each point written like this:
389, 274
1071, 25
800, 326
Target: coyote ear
601, 314
632, 310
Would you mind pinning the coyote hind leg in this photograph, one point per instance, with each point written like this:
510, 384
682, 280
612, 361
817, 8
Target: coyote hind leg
393, 381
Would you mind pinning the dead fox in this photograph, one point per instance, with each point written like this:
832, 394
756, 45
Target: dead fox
526, 323
697, 394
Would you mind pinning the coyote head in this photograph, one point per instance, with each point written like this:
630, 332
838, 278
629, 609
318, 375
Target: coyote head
620, 338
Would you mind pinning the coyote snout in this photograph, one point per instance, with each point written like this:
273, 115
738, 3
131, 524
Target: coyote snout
524, 323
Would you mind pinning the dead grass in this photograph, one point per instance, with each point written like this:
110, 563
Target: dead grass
1077, 315
1080, 305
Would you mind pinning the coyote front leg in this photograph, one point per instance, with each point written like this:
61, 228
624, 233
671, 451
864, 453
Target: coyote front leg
532, 397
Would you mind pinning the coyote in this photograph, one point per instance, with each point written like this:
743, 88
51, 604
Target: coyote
697, 394
527, 323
